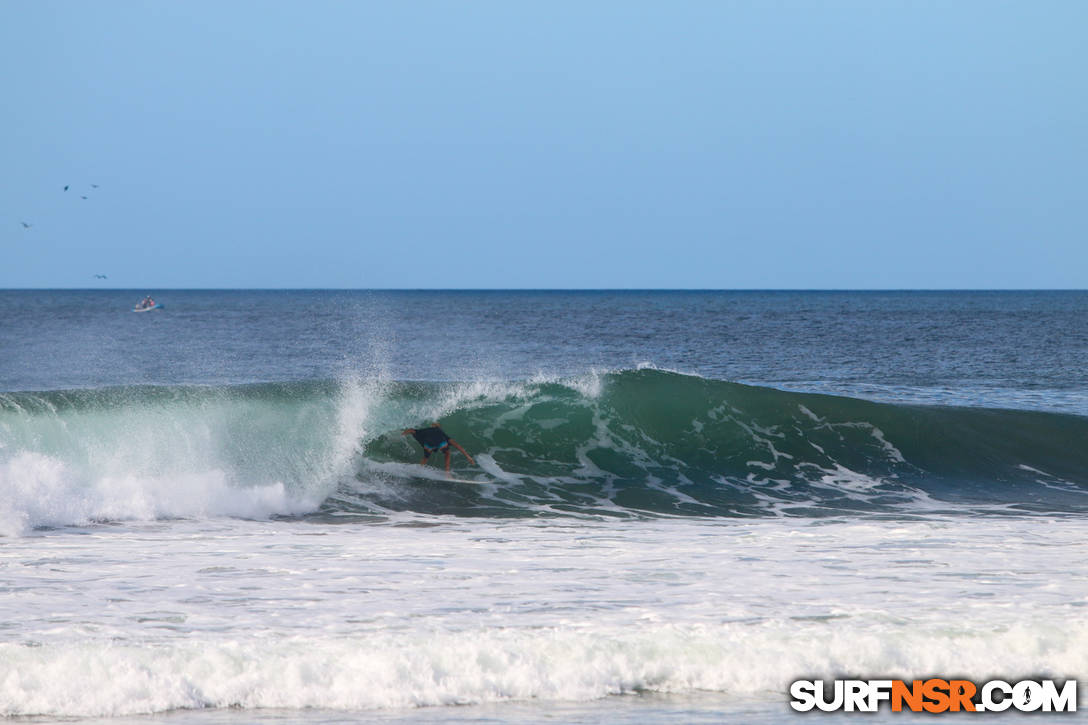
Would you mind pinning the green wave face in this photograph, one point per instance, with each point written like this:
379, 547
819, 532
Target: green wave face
628, 443
664, 443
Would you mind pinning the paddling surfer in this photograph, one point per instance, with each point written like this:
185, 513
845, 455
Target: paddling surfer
435, 439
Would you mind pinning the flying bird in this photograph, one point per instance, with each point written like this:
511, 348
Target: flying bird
94, 186
66, 187
101, 276
82, 197
25, 225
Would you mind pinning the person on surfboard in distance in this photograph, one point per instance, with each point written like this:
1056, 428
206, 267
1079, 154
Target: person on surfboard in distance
435, 439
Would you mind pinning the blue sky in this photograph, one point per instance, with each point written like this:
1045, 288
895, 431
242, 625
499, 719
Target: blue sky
544, 144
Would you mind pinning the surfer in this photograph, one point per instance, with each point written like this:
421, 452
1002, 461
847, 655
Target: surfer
435, 439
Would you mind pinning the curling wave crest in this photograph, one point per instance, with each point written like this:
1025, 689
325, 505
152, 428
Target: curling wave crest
625, 443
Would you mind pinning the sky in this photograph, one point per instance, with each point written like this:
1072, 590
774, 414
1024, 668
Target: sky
555, 144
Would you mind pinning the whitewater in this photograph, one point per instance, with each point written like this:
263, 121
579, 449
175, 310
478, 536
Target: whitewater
678, 540
433, 612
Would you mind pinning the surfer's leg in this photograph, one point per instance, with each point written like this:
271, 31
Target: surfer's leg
446, 450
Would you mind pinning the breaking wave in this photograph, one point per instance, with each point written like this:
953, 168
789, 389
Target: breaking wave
624, 443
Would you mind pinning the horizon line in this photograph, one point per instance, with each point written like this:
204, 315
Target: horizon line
545, 289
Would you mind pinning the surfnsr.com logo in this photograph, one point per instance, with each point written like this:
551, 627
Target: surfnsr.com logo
934, 695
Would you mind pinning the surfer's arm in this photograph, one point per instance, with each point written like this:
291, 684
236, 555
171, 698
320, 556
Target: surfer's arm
457, 445
408, 431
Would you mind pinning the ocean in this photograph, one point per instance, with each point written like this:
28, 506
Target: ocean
681, 502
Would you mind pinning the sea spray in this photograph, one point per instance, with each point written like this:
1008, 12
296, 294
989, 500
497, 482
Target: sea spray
142, 453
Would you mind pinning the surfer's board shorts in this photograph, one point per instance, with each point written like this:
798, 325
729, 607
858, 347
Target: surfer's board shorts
428, 451
432, 439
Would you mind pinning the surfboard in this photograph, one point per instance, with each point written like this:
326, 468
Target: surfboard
460, 480
414, 471
443, 479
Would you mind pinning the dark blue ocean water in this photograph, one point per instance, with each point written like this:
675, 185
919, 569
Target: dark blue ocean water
1010, 349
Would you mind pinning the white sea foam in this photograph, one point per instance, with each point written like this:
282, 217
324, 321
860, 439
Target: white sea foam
267, 614
41, 490
432, 669
146, 459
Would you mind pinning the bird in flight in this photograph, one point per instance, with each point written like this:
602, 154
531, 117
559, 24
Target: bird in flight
94, 186
25, 225
101, 276
82, 197
66, 187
